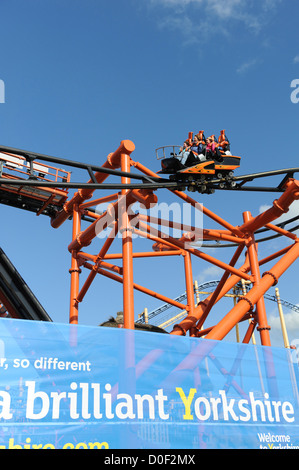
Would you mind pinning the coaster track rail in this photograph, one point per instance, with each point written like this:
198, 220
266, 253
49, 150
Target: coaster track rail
147, 182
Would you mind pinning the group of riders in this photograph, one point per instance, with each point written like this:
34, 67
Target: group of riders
198, 149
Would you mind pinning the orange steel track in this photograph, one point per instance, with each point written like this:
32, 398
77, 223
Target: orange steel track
120, 217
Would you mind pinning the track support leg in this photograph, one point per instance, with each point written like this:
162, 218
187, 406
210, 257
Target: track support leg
127, 251
75, 269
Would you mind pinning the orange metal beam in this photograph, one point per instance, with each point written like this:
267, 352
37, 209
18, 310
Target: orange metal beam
85, 238
97, 258
275, 255
142, 254
202, 310
188, 199
140, 288
260, 304
281, 231
164, 238
196, 232
98, 201
250, 331
280, 206
113, 162
75, 269
215, 297
268, 280
127, 251
127, 198
189, 283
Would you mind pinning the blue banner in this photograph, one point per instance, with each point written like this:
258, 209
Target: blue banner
78, 387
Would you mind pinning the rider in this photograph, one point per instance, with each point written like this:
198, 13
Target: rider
193, 152
201, 142
184, 153
224, 143
212, 150
195, 146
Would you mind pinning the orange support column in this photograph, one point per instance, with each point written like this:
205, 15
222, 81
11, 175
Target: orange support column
127, 251
75, 270
189, 283
263, 327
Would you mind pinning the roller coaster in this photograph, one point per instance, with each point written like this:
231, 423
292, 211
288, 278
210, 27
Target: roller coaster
158, 315
37, 183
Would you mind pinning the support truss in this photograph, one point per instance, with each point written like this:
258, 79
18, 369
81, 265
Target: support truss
123, 222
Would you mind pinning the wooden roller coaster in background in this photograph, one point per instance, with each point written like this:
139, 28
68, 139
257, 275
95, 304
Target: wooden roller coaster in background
44, 190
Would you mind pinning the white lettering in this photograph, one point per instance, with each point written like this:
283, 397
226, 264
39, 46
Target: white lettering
33, 399
85, 401
5, 400
228, 407
295, 93
200, 405
2, 92
126, 405
151, 405
161, 399
287, 409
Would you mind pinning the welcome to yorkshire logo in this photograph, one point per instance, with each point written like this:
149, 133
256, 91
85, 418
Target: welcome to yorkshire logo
2, 91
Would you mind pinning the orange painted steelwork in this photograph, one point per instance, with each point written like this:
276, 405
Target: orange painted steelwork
113, 161
123, 222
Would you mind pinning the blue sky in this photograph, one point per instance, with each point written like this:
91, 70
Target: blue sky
80, 76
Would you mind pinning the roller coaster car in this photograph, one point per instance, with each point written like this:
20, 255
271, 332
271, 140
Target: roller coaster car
198, 174
221, 168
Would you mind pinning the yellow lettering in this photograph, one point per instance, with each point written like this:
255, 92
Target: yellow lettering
12, 445
68, 445
81, 445
49, 446
98, 445
187, 401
